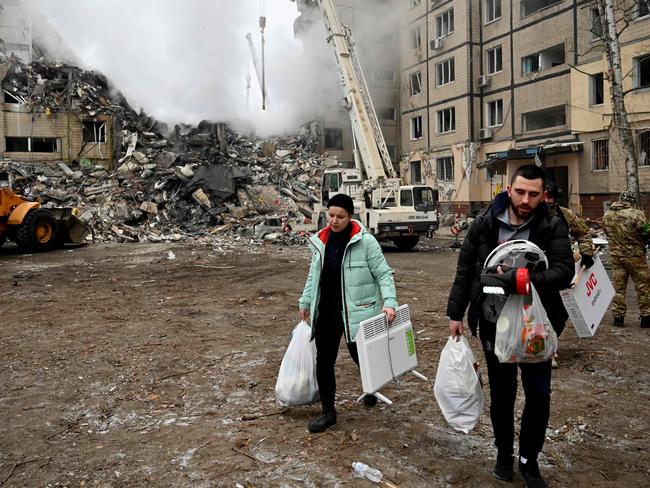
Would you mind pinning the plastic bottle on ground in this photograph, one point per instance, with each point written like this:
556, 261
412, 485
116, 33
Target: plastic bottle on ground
366, 471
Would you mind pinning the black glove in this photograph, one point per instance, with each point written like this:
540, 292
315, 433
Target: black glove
586, 261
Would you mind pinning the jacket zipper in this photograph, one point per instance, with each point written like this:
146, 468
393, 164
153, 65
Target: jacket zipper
345, 302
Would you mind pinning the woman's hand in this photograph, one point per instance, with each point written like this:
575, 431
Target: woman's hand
390, 313
304, 314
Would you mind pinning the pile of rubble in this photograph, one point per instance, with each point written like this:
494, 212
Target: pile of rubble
191, 182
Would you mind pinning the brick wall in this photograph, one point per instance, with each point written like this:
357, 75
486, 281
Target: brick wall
592, 205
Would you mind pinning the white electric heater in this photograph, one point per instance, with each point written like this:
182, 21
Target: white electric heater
386, 351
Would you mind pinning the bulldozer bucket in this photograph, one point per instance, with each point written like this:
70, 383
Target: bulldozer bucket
72, 230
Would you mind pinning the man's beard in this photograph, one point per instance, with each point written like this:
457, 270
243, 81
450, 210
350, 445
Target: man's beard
518, 211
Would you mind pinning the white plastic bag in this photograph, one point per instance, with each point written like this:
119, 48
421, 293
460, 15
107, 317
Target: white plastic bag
457, 387
297, 384
524, 333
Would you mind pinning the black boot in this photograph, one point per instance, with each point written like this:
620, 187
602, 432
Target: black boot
619, 321
503, 468
370, 400
323, 422
531, 474
645, 321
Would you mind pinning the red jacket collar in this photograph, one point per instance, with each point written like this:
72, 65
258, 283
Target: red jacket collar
324, 234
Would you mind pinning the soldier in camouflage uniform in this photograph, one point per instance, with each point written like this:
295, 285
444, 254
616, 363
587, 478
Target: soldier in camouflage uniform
627, 232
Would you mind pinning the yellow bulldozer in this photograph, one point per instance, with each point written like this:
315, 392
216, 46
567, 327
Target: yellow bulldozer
36, 229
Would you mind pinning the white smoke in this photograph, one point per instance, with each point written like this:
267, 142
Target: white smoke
185, 61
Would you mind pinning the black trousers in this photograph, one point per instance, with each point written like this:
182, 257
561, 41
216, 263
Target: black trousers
329, 329
536, 380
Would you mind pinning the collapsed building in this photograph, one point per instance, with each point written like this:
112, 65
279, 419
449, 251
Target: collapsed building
68, 140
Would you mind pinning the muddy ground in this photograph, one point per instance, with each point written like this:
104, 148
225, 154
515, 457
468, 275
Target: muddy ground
122, 368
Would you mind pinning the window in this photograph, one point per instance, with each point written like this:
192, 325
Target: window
386, 113
94, 132
9, 98
548, 58
416, 171
17, 144
32, 144
414, 3
445, 72
495, 113
545, 118
529, 7
334, 139
416, 37
600, 155
447, 120
416, 128
416, 83
445, 167
596, 26
445, 23
494, 60
492, 10
642, 71
406, 198
643, 8
596, 89
643, 144
384, 75
392, 151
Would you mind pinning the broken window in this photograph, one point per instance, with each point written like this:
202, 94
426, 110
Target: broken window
17, 144
447, 120
416, 83
392, 151
416, 127
643, 145
416, 37
545, 118
386, 113
43, 144
495, 113
445, 72
643, 9
9, 98
529, 7
414, 3
94, 131
334, 139
416, 171
596, 89
494, 60
445, 23
600, 155
596, 26
445, 168
492, 10
642, 71
548, 58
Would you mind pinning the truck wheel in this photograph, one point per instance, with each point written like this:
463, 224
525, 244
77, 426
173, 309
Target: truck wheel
38, 232
406, 243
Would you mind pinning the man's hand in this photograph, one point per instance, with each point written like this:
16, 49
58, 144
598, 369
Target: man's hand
456, 328
586, 261
390, 313
304, 314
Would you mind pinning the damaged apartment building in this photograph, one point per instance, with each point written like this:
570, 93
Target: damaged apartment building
49, 112
489, 85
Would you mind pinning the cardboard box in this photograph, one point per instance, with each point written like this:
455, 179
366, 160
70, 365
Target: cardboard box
588, 299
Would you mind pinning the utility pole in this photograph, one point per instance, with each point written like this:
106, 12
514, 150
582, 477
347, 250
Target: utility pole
620, 123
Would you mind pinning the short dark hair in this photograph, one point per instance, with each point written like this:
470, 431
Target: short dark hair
530, 172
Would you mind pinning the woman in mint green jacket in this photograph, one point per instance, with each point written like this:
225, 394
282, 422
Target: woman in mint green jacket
349, 281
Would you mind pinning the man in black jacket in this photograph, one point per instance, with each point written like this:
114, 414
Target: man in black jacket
518, 213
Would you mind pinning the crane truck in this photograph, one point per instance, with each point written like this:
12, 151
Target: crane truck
390, 210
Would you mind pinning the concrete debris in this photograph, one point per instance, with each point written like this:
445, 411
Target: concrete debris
203, 182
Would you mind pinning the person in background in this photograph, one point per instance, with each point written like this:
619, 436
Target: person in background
627, 232
577, 229
518, 213
349, 281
